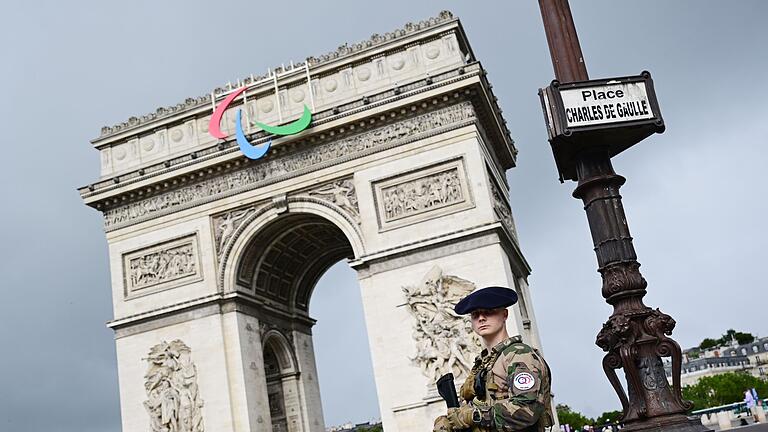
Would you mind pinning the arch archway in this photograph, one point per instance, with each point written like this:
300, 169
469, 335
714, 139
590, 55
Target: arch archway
270, 237
276, 258
402, 170
282, 379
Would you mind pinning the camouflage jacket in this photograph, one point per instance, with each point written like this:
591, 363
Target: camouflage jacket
516, 382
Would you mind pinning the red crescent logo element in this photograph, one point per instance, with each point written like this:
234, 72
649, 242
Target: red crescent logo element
214, 125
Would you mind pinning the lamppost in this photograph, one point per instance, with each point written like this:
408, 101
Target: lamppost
588, 123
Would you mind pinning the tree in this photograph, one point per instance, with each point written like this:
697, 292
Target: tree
723, 389
608, 417
573, 418
741, 338
708, 343
744, 338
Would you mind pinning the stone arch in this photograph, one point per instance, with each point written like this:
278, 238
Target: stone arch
283, 383
276, 342
275, 258
280, 219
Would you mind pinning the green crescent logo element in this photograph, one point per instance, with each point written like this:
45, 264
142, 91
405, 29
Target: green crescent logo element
291, 128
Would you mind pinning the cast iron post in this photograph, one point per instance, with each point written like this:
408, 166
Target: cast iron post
635, 337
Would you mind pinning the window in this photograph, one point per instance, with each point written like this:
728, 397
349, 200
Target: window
755, 348
765, 345
743, 351
733, 353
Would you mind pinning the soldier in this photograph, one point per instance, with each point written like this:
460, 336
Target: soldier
508, 388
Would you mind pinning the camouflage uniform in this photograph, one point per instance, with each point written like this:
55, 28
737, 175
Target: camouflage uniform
517, 392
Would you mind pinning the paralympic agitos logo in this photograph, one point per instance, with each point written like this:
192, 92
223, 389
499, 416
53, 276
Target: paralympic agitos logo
249, 150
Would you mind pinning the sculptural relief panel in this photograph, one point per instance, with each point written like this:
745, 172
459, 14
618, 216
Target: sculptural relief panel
422, 194
226, 224
173, 400
163, 266
340, 193
444, 340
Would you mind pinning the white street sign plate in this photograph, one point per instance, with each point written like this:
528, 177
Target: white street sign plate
605, 104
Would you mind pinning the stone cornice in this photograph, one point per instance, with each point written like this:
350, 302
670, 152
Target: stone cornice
218, 303
204, 163
429, 249
344, 54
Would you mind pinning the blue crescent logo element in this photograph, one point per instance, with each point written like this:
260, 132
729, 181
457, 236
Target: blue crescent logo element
249, 150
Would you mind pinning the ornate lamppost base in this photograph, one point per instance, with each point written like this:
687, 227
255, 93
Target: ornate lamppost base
672, 423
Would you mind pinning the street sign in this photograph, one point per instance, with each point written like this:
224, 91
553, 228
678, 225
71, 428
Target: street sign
613, 113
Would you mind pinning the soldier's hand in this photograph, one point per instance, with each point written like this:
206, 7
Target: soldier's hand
461, 417
442, 425
467, 390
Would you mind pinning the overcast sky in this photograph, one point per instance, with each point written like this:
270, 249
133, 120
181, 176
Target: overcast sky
695, 196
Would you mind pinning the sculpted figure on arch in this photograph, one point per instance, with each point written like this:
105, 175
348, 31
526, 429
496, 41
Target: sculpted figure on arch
508, 388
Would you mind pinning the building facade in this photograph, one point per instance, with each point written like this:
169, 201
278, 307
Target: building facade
751, 358
214, 256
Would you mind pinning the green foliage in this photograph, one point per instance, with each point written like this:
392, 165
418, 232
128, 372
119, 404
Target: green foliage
374, 428
708, 343
744, 338
741, 338
723, 389
731, 334
608, 417
573, 418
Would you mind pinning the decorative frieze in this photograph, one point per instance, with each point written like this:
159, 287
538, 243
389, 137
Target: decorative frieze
173, 400
162, 266
444, 340
422, 194
301, 162
502, 208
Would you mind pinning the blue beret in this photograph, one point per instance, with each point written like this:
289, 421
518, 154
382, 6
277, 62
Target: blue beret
486, 298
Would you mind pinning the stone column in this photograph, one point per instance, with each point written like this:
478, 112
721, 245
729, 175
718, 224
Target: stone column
308, 383
254, 381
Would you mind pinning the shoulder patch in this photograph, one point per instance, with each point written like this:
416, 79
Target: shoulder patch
523, 381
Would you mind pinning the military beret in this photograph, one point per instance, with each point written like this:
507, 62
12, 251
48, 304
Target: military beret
486, 298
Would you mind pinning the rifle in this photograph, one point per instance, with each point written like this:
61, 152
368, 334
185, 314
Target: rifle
447, 390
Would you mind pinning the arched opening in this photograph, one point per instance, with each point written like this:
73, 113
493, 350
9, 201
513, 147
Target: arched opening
342, 349
284, 260
279, 260
282, 379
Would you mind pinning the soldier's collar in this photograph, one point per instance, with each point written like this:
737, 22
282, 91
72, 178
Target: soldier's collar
506, 342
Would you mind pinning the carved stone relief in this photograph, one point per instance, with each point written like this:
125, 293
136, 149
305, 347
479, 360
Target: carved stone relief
225, 225
444, 186
444, 340
280, 168
161, 266
173, 402
502, 209
340, 193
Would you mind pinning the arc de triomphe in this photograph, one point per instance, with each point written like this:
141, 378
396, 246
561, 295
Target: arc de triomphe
214, 256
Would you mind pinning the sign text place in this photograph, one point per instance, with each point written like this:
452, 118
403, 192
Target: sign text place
604, 104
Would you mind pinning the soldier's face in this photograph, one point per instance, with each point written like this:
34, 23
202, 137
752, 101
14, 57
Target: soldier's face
487, 322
